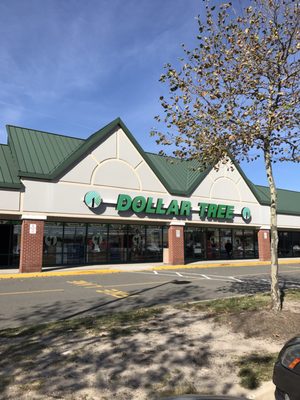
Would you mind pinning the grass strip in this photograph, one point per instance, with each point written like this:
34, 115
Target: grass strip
238, 304
292, 294
230, 305
255, 369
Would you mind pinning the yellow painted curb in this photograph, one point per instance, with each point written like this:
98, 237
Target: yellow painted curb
160, 268
58, 273
218, 265
288, 261
207, 266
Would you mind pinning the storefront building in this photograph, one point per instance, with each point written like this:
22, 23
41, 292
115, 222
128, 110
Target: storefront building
103, 200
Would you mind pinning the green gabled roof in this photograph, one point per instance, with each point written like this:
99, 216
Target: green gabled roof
182, 177
8, 170
46, 156
39, 153
288, 200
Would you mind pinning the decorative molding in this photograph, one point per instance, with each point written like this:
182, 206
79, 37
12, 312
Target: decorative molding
36, 217
177, 223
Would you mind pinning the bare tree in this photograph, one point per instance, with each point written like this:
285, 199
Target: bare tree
237, 92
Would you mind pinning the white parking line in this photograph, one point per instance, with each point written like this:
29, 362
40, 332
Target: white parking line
291, 283
200, 276
160, 274
222, 278
235, 279
173, 275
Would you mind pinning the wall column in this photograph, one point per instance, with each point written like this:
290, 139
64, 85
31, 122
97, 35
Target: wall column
264, 245
176, 244
32, 238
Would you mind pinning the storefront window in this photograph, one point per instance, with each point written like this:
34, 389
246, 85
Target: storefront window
136, 242
296, 244
238, 243
10, 234
188, 243
70, 243
249, 243
255, 244
53, 243
15, 244
117, 243
194, 243
154, 243
225, 243
96, 243
285, 244
165, 237
74, 243
212, 244
220, 243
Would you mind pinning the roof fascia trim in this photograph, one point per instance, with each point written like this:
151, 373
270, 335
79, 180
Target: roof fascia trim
4, 185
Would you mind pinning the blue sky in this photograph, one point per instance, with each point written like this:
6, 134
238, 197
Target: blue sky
72, 66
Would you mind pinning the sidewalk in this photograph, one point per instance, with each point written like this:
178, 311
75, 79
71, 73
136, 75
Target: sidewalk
117, 268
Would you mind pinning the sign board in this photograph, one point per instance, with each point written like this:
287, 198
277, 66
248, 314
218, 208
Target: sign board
183, 208
147, 205
32, 229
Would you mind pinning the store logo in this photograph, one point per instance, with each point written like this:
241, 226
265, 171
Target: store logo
246, 214
51, 240
92, 199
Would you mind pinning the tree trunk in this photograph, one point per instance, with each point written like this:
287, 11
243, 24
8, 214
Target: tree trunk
275, 292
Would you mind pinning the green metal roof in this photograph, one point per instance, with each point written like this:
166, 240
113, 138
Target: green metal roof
46, 156
8, 170
181, 176
288, 200
37, 152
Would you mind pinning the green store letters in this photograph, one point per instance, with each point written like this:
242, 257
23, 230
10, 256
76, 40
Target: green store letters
141, 204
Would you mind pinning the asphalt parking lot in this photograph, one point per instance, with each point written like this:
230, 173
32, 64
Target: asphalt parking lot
25, 301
